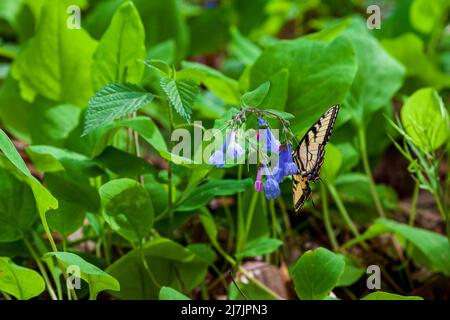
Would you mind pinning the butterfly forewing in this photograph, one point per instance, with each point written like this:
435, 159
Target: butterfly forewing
310, 152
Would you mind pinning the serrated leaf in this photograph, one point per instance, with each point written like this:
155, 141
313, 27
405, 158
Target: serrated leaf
181, 94
112, 102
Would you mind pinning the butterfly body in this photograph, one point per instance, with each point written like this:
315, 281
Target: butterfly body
309, 156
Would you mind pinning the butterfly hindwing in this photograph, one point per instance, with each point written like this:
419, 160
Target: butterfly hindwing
301, 191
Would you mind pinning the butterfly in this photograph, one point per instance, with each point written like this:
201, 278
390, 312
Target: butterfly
309, 156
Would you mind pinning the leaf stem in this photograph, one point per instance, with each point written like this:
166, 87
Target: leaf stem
343, 212
326, 218
169, 169
41, 267
366, 165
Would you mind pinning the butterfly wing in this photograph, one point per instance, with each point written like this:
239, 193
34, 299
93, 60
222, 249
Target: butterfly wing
310, 152
301, 191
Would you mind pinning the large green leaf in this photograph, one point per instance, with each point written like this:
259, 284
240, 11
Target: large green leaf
120, 55
127, 208
162, 21
181, 94
428, 248
17, 208
40, 122
57, 62
316, 273
97, 279
112, 102
20, 282
203, 194
166, 262
426, 119
320, 75
378, 77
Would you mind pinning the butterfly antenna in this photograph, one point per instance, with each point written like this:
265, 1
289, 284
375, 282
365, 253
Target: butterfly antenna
314, 205
236, 285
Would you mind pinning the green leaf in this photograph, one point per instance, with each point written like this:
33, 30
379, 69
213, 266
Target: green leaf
409, 50
167, 293
245, 50
320, 75
332, 163
429, 248
44, 199
51, 159
97, 279
17, 208
426, 15
123, 163
112, 102
352, 273
256, 97
57, 62
20, 282
162, 21
146, 128
425, 119
42, 121
259, 247
167, 263
316, 273
120, 55
380, 295
222, 86
127, 208
375, 67
203, 194
181, 94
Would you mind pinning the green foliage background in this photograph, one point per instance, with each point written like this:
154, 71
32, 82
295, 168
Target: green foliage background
87, 177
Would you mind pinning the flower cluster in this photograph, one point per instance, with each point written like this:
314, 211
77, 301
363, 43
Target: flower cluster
268, 176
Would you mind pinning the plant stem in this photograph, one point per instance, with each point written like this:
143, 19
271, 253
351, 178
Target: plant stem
366, 165
326, 218
412, 215
42, 269
285, 215
251, 211
169, 169
240, 215
273, 217
343, 211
